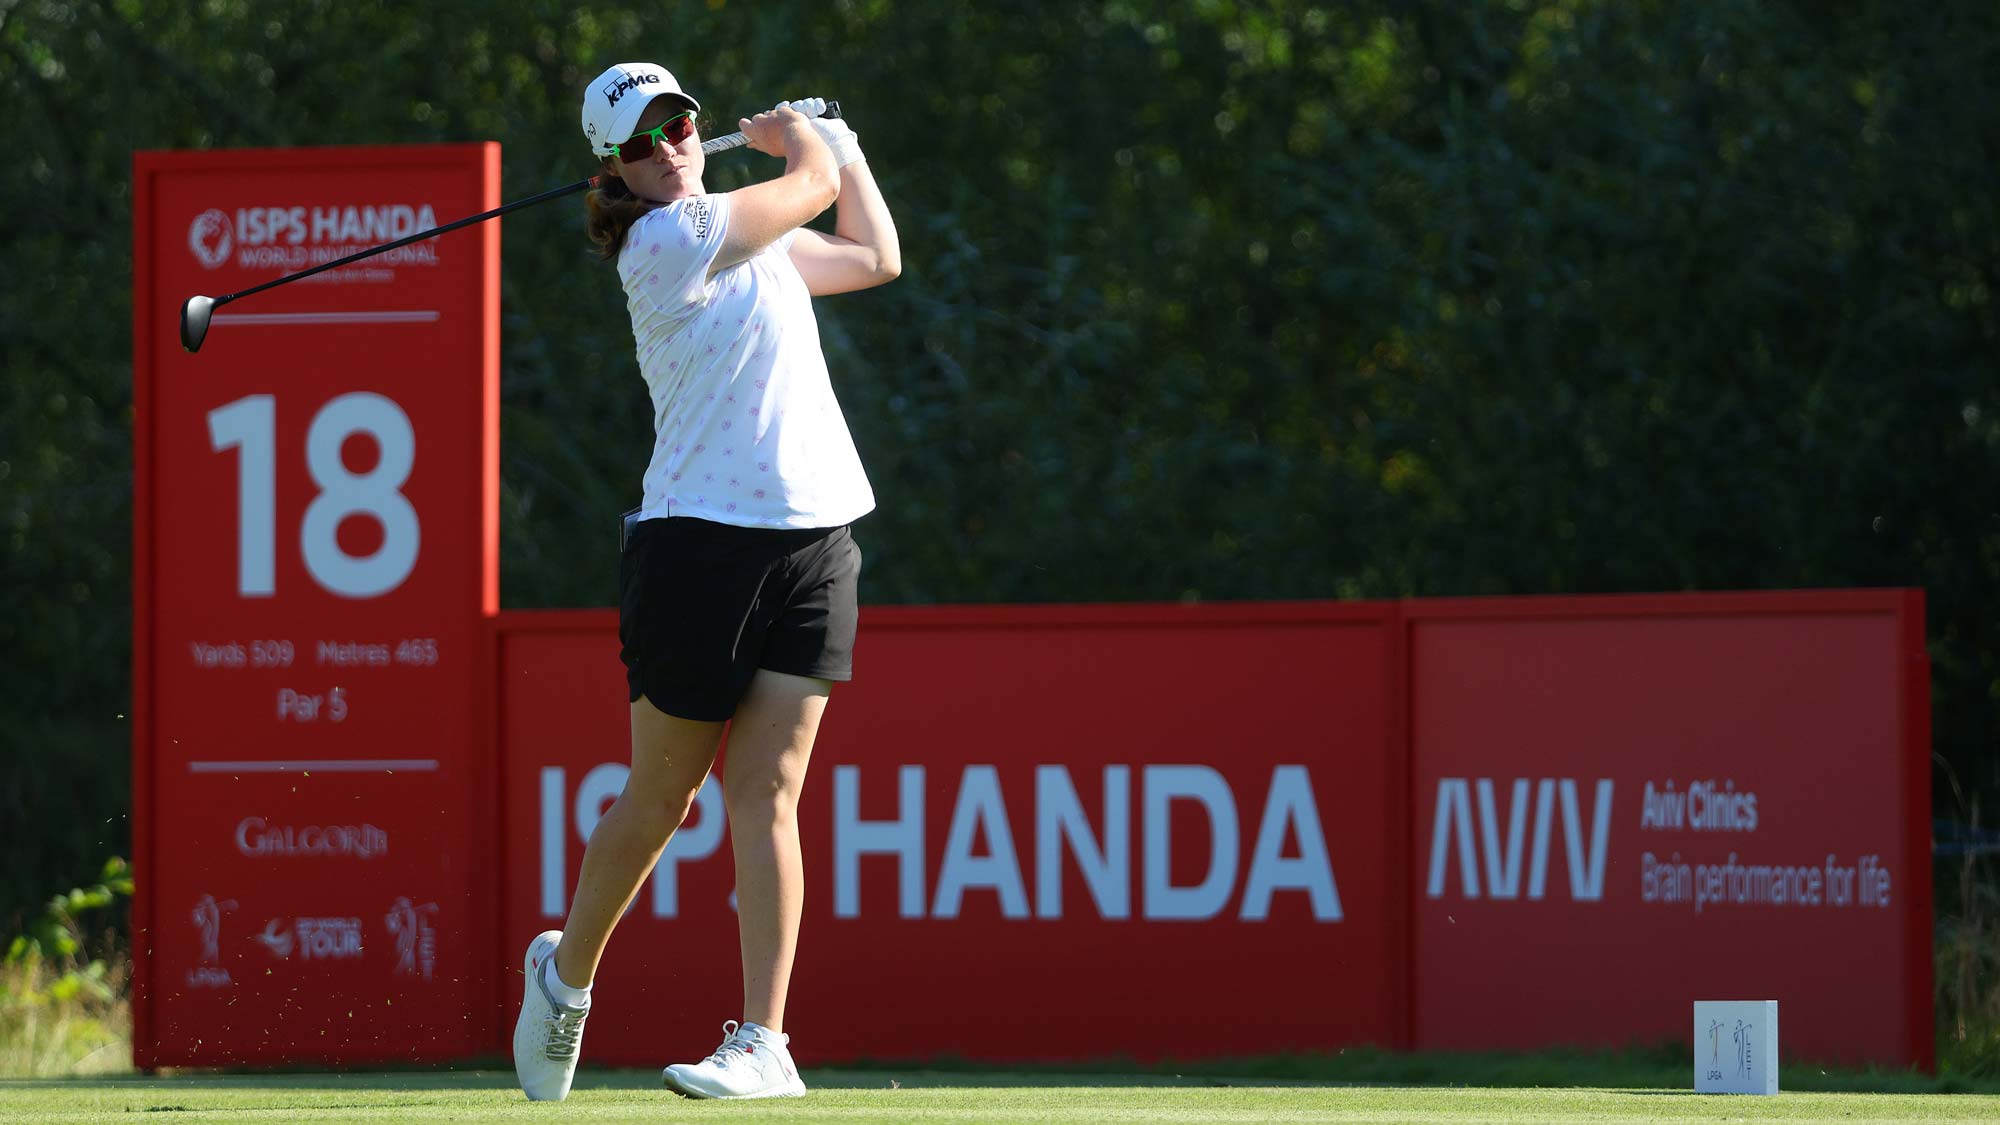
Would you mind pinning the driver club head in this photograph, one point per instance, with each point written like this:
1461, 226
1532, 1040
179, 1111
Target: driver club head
194, 321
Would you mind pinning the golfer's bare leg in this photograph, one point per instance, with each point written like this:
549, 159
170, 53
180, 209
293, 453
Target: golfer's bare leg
670, 759
770, 744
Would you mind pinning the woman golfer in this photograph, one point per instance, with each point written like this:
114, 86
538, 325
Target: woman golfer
736, 595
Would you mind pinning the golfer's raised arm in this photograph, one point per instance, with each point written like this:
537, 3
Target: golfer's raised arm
761, 213
863, 250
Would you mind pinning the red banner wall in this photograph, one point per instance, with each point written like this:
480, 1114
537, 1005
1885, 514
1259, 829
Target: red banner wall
1227, 774
1622, 805
1602, 795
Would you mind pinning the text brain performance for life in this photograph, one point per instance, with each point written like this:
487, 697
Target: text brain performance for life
1708, 807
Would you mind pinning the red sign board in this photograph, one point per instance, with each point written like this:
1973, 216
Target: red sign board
1623, 805
314, 557
1175, 815
1548, 821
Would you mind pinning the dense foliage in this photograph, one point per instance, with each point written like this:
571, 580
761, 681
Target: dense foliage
1206, 300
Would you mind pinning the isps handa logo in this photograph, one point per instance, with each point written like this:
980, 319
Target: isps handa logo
208, 237
295, 237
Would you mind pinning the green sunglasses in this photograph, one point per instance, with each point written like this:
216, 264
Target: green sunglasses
670, 133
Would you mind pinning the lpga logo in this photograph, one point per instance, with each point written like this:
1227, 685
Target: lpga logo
207, 919
208, 237
416, 937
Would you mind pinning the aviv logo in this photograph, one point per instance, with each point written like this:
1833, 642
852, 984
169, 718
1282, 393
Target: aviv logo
1502, 863
209, 237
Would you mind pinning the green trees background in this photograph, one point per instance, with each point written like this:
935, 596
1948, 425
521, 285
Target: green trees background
1201, 300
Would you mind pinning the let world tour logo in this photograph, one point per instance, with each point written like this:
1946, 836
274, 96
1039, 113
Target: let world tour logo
298, 237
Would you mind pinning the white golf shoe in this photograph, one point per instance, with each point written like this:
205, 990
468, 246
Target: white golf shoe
753, 1062
549, 1034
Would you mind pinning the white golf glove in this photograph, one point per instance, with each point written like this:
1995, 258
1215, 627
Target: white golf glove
811, 107
840, 138
835, 132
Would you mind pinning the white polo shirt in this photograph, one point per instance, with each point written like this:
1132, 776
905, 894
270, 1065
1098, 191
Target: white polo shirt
746, 429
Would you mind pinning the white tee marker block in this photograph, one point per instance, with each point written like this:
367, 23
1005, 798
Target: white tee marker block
1736, 1046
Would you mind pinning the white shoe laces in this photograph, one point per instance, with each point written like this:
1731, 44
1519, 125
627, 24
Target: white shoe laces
565, 1033
735, 1045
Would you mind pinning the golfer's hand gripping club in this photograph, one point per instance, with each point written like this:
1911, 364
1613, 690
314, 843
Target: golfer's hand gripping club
811, 107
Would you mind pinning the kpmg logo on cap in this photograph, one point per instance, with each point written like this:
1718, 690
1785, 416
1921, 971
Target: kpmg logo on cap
626, 85
208, 237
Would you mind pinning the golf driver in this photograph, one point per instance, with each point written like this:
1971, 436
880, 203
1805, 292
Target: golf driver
195, 313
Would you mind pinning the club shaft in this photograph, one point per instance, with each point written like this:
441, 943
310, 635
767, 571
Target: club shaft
738, 140
719, 144
566, 189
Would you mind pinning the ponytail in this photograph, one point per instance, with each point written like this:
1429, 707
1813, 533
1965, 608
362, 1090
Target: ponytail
609, 212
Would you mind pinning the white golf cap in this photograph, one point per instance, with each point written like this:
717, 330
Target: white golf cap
614, 101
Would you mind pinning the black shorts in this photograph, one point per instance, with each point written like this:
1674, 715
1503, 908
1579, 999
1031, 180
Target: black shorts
702, 606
